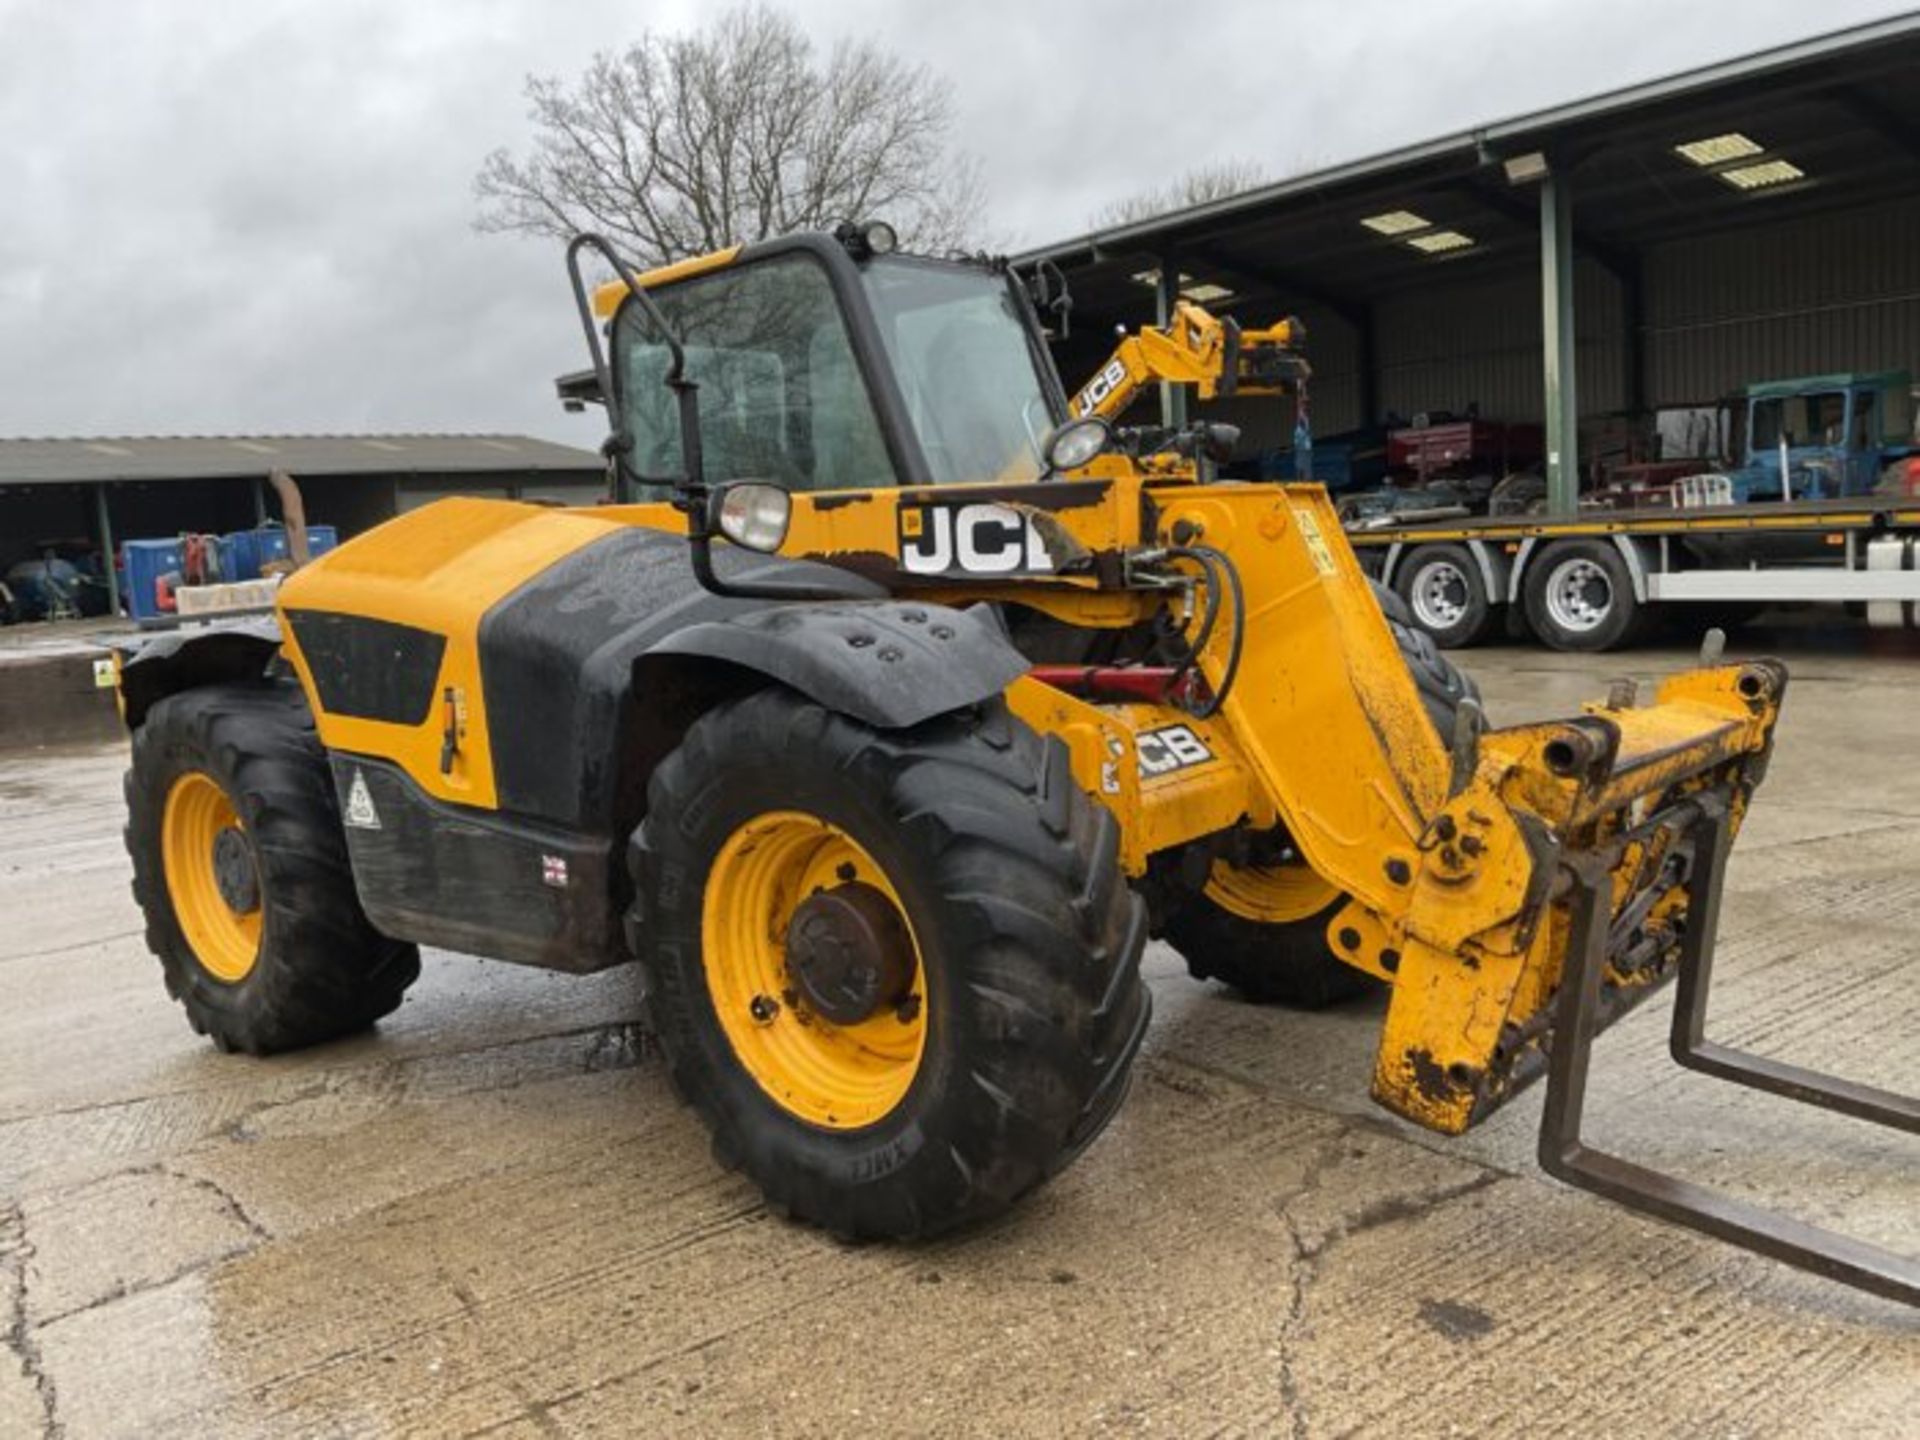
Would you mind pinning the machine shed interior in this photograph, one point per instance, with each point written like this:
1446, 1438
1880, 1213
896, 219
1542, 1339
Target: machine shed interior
1663, 245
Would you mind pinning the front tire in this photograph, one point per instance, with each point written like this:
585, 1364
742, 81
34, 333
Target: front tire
241, 868
991, 1047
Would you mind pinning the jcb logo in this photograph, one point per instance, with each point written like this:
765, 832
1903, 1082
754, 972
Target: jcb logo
1170, 748
979, 539
1099, 388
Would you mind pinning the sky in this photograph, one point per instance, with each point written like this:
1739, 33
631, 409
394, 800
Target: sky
256, 218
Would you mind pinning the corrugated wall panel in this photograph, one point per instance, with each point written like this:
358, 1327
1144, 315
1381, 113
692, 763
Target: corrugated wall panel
1444, 348
1822, 293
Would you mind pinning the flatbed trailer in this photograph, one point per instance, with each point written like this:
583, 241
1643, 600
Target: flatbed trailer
1595, 580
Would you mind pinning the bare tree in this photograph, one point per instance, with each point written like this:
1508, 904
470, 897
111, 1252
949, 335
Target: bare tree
1196, 187
684, 144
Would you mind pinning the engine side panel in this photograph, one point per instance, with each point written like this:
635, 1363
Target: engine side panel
438, 570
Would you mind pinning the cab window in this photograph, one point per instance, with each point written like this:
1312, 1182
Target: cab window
1801, 419
961, 351
781, 397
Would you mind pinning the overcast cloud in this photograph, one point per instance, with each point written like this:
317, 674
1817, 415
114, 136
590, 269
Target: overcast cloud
255, 217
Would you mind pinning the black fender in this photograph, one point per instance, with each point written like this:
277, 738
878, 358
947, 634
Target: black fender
152, 669
594, 668
890, 664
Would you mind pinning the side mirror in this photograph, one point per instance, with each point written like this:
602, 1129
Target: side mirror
1218, 440
1047, 289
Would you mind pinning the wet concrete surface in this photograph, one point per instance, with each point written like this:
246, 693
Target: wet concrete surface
492, 1217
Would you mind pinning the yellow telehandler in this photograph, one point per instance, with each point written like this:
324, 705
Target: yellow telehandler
880, 718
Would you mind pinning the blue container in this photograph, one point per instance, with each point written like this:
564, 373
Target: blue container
239, 555
244, 552
146, 562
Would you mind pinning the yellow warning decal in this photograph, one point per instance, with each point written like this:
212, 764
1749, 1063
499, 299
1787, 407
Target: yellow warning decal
1316, 542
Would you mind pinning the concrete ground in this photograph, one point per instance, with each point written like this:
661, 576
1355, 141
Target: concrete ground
492, 1217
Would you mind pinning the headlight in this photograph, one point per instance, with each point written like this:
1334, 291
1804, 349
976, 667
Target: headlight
1077, 442
754, 516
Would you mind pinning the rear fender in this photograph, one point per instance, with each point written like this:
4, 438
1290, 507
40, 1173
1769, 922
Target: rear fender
151, 670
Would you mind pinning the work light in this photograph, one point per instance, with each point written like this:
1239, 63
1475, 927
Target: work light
754, 515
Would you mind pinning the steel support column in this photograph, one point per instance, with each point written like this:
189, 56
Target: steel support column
1557, 322
106, 548
1166, 295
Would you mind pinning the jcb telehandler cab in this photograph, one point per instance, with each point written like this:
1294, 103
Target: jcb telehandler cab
880, 719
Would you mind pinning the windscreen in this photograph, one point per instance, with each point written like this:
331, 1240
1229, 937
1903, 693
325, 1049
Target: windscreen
1802, 419
960, 351
781, 398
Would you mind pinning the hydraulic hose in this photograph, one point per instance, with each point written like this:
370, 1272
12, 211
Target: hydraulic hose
1223, 578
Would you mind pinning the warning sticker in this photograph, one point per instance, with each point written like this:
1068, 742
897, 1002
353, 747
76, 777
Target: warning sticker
1317, 545
360, 812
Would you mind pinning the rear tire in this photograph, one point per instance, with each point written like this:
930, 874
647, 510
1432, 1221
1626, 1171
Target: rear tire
1580, 597
301, 963
1289, 961
1026, 984
1446, 596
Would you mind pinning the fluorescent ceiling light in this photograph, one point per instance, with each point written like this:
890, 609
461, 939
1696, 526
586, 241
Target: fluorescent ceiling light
1203, 291
1524, 169
1395, 222
1441, 241
1717, 148
1760, 176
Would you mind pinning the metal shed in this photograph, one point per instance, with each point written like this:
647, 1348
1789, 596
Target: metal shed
1664, 244
99, 490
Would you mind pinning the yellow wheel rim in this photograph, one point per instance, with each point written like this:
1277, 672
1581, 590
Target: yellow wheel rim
1270, 894
840, 1077
225, 940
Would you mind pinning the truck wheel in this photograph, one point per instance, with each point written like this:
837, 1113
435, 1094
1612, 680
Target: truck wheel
1446, 594
1580, 597
896, 973
240, 866
1262, 929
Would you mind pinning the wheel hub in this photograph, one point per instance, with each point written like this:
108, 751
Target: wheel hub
849, 953
233, 872
1439, 595
1579, 595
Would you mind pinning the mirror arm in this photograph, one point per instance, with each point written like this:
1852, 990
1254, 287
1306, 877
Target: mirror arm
620, 442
